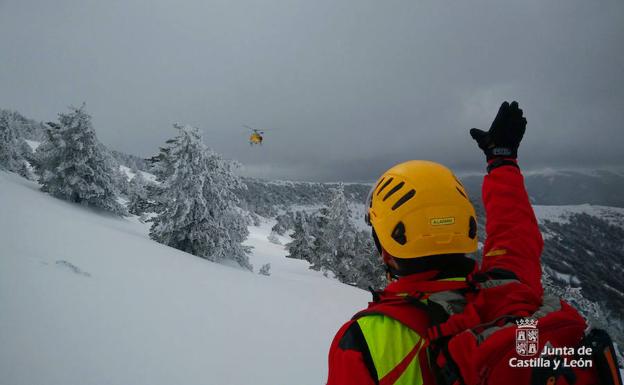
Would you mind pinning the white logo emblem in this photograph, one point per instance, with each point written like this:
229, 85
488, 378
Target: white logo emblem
527, 337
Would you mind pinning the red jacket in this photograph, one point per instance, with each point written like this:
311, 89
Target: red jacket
513, 243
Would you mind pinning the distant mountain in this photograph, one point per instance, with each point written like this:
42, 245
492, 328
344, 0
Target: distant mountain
566, 187
583, 248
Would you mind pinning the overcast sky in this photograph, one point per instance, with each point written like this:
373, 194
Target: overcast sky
347, 88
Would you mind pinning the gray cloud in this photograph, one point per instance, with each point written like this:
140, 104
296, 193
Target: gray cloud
348, 88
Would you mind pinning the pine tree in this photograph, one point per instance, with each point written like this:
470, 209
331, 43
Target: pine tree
283, 222
71, 164
120, 178
272, 237
369, 268
197, 209
265, 269
301, 247
13, 149
335, 237
138, 200
332, 244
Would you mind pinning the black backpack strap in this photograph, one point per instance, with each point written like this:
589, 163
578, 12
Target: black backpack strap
440, 306
374, 293
444, 368
491, 278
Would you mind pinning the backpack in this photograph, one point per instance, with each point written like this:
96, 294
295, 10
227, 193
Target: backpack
549, 347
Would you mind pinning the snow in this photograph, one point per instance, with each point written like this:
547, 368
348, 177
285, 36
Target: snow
569, 279
88, 298
33, 144
130, 174
357, 213
357, 216
562, 214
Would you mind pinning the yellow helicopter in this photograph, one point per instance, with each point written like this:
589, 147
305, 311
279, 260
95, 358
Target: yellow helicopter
256, 136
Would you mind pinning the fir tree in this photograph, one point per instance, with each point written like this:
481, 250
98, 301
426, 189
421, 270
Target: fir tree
335, 237
265, 269
332, 244
284, 222
197, 209
71, 164
302, 243
369, 268
273, 238
138, 199
13, 149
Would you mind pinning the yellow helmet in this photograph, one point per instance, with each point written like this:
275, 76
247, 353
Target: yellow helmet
419, 208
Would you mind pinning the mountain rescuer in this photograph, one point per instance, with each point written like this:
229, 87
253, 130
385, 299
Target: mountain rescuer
443, 319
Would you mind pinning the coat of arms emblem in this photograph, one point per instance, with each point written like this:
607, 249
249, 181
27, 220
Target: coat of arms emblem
527, 337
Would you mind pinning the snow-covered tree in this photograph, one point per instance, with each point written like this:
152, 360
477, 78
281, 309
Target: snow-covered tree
197, 209
120, 178
71, 164
284, 222
273, 238
13, 149
302, 244
592, 312
265, 269
25, 128
368, 269
331, 243
162, 165
138, 202
335, 238
253, 219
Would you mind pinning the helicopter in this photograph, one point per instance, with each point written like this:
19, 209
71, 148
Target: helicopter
256, 136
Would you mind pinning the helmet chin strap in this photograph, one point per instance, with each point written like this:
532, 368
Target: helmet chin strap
391, 267
392, 273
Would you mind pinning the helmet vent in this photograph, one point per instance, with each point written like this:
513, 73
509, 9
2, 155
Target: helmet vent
461, 192
384, 185
472, 228
457, 180
394, 189
379, 183
398, 234
404, 199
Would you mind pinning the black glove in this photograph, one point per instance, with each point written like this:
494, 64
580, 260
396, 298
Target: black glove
505, 134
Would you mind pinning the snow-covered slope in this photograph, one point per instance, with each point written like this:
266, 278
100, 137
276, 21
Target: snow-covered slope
86, 298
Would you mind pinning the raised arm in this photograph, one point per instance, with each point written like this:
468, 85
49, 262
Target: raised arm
513, 240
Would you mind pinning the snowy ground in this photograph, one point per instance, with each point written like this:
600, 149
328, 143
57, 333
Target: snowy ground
86, 298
